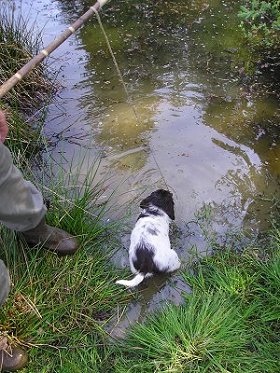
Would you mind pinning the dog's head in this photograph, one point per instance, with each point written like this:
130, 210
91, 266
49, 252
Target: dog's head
162, 199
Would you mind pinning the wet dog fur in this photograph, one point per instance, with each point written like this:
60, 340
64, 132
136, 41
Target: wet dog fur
150, 251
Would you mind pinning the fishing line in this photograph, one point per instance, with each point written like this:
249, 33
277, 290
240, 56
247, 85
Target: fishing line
116, 64
129, 101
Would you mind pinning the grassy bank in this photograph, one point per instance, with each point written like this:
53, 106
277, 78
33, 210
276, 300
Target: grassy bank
57, 306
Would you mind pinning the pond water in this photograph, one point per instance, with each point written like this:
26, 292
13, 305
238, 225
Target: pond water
192, 122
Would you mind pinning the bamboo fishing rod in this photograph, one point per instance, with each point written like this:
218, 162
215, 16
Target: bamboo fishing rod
20, 74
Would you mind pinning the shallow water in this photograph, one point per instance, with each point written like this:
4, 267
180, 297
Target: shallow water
199, 127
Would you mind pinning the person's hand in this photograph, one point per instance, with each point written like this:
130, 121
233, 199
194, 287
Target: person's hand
4, 129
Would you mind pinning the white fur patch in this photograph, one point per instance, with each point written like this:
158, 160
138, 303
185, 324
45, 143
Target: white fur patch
151, 231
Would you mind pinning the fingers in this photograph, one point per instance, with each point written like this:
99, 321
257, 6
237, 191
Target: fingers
3, 127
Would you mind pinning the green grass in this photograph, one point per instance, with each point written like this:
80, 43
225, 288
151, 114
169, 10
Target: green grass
57, 306
209, 331
230, 323
19, 42
24, 104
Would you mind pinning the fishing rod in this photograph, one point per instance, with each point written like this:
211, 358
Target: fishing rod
20, 74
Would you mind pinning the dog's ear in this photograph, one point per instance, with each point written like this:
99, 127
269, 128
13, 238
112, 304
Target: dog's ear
144, 204
167, 206
169, 209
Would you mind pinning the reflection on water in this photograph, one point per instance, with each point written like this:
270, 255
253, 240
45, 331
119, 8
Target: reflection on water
121, 129
200, 127
154, 296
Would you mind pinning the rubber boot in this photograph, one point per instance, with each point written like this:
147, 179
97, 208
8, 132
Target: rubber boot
11, 358
54, 239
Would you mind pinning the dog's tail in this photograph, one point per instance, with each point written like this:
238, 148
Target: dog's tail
131, 283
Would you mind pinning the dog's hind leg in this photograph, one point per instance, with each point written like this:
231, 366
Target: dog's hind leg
174, 262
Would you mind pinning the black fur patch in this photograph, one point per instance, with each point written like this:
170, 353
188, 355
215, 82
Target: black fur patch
142, 215
148, 213
144, 262
162, 199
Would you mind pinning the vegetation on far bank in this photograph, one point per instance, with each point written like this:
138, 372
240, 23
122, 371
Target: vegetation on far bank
260, 22
260, 25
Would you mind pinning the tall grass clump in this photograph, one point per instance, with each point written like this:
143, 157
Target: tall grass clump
230, 323
208, 334
19, 42
57, 306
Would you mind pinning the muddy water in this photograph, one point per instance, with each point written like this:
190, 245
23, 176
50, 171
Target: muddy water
199, 128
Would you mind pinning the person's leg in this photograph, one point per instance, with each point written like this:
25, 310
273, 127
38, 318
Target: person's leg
21, 204
22, 209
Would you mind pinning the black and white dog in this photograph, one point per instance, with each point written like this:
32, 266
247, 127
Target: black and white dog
150, 250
